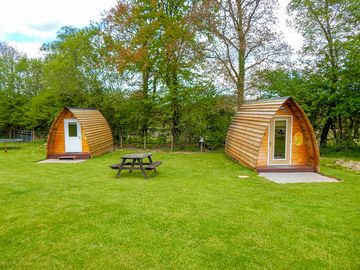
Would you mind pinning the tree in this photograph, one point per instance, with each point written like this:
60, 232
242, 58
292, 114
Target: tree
305, 87
241, 37
129, 31
20, 80
157, 41
180, 54
326, 26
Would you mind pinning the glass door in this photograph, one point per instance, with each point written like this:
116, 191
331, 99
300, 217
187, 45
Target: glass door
279, 141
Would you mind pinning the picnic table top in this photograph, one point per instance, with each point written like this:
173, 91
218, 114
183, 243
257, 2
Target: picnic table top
136, 155
10, 140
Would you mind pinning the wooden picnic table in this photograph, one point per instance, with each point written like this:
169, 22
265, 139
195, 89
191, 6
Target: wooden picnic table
133, 162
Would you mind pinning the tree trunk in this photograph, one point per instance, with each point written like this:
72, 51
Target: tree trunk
242, 50
341, 130
325, 132
175, 106
356, 128
146, 109
240, 90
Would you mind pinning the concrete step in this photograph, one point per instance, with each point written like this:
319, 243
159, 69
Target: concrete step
287, 168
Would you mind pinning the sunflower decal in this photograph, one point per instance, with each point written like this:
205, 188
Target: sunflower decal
298, 138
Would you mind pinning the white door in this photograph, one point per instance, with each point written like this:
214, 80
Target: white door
72, 135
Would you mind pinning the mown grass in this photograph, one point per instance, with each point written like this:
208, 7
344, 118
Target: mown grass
195, 214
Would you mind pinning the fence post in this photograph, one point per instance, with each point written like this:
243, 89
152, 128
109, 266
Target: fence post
144, 139
33, 136
172, 143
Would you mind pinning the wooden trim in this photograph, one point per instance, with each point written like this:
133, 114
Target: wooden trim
82, 155
315, 148
287, 160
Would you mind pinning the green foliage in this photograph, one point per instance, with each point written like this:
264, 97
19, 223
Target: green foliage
144, 67
312, 93
80, 70
326, 83
341, 151
20, 81
156, 42
331, 33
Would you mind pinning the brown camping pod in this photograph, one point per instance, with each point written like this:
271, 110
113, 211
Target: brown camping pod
79, 133
273, 135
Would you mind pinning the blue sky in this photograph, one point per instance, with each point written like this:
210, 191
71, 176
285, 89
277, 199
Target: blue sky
21, 37
27, 24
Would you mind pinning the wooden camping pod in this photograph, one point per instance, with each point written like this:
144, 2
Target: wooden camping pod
96, 137
252, 138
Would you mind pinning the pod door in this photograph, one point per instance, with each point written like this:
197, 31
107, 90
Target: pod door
72, 130
280, 141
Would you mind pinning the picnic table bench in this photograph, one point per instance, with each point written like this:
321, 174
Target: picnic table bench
133, 162
9, 141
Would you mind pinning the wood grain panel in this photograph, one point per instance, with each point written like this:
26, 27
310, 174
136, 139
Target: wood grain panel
96, 134
263, 150
59, 138
247, 137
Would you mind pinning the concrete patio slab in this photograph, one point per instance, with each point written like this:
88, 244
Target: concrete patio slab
62, 161
296, 177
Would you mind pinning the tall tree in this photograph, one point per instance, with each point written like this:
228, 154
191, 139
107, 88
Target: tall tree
129, 30
326, 26
156, 40
180, 53
241, 37
73, 67
20, 80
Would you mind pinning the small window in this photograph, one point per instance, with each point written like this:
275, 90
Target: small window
72, 129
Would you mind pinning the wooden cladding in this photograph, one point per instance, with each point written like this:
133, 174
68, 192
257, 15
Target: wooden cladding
247, 139
96, 134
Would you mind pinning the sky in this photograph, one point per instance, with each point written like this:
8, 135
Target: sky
27, 24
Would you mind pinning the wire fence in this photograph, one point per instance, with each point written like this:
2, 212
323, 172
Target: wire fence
164, 140
24, 135
123, 138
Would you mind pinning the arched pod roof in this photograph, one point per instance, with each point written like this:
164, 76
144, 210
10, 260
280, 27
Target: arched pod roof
250, 123
94, 126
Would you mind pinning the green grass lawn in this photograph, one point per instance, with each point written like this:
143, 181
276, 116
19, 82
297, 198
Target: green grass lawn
195, 214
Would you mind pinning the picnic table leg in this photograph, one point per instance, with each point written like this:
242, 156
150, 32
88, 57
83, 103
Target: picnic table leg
132, 165
150, 160
120, 168
142, 168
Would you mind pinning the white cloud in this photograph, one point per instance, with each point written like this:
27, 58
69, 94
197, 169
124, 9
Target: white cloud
32, 49
293, 38
37, 21
41, 19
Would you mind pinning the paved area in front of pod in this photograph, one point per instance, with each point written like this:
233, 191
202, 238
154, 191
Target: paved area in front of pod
62, 161
296, 177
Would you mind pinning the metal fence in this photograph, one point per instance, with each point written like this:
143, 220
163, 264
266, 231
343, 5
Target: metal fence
24, 135
163, 140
